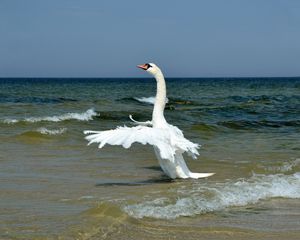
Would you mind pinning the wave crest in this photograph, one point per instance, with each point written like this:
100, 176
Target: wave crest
149, 100
206, 199
85, 116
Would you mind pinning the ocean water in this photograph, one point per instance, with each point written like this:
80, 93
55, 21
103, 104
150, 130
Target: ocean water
54, 186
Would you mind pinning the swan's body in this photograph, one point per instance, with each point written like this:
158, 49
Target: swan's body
168, 141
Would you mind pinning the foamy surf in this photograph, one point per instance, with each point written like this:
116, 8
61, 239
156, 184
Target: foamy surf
85, 116
215, 197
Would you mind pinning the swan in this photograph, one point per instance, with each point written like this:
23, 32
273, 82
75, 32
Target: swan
168, 141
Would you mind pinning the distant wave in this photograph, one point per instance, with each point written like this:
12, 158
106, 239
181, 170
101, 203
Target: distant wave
209, 198
149, 100
46, 131
85, 116
175, 101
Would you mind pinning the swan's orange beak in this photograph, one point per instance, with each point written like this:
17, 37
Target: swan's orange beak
142, 66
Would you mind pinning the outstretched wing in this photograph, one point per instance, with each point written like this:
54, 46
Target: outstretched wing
167, 140
126, 136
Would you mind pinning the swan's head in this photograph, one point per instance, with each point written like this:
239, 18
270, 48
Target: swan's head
150, 68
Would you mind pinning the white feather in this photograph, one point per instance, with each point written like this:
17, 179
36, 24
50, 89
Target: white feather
167, 140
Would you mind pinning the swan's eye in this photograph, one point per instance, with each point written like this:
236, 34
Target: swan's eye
148, 65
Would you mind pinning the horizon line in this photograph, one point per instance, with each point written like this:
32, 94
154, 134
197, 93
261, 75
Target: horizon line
225, 77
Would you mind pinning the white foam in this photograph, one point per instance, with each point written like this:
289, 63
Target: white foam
85, 197
214, 197
10, 121
85, 116
52, 132
150, 100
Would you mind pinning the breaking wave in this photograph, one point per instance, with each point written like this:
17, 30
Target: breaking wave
215, 197
85, 116
149, 100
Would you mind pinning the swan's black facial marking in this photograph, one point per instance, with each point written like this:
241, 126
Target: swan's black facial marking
148, 66
145, 66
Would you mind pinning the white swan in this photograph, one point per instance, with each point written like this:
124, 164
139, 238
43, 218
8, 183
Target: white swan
168, 141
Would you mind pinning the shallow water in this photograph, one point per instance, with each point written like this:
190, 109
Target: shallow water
55, 187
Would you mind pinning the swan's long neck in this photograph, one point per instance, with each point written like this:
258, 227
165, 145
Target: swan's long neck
158, 118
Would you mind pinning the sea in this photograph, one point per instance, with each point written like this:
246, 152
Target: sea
54, 186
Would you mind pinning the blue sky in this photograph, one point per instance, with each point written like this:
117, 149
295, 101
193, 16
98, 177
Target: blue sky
107, 38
